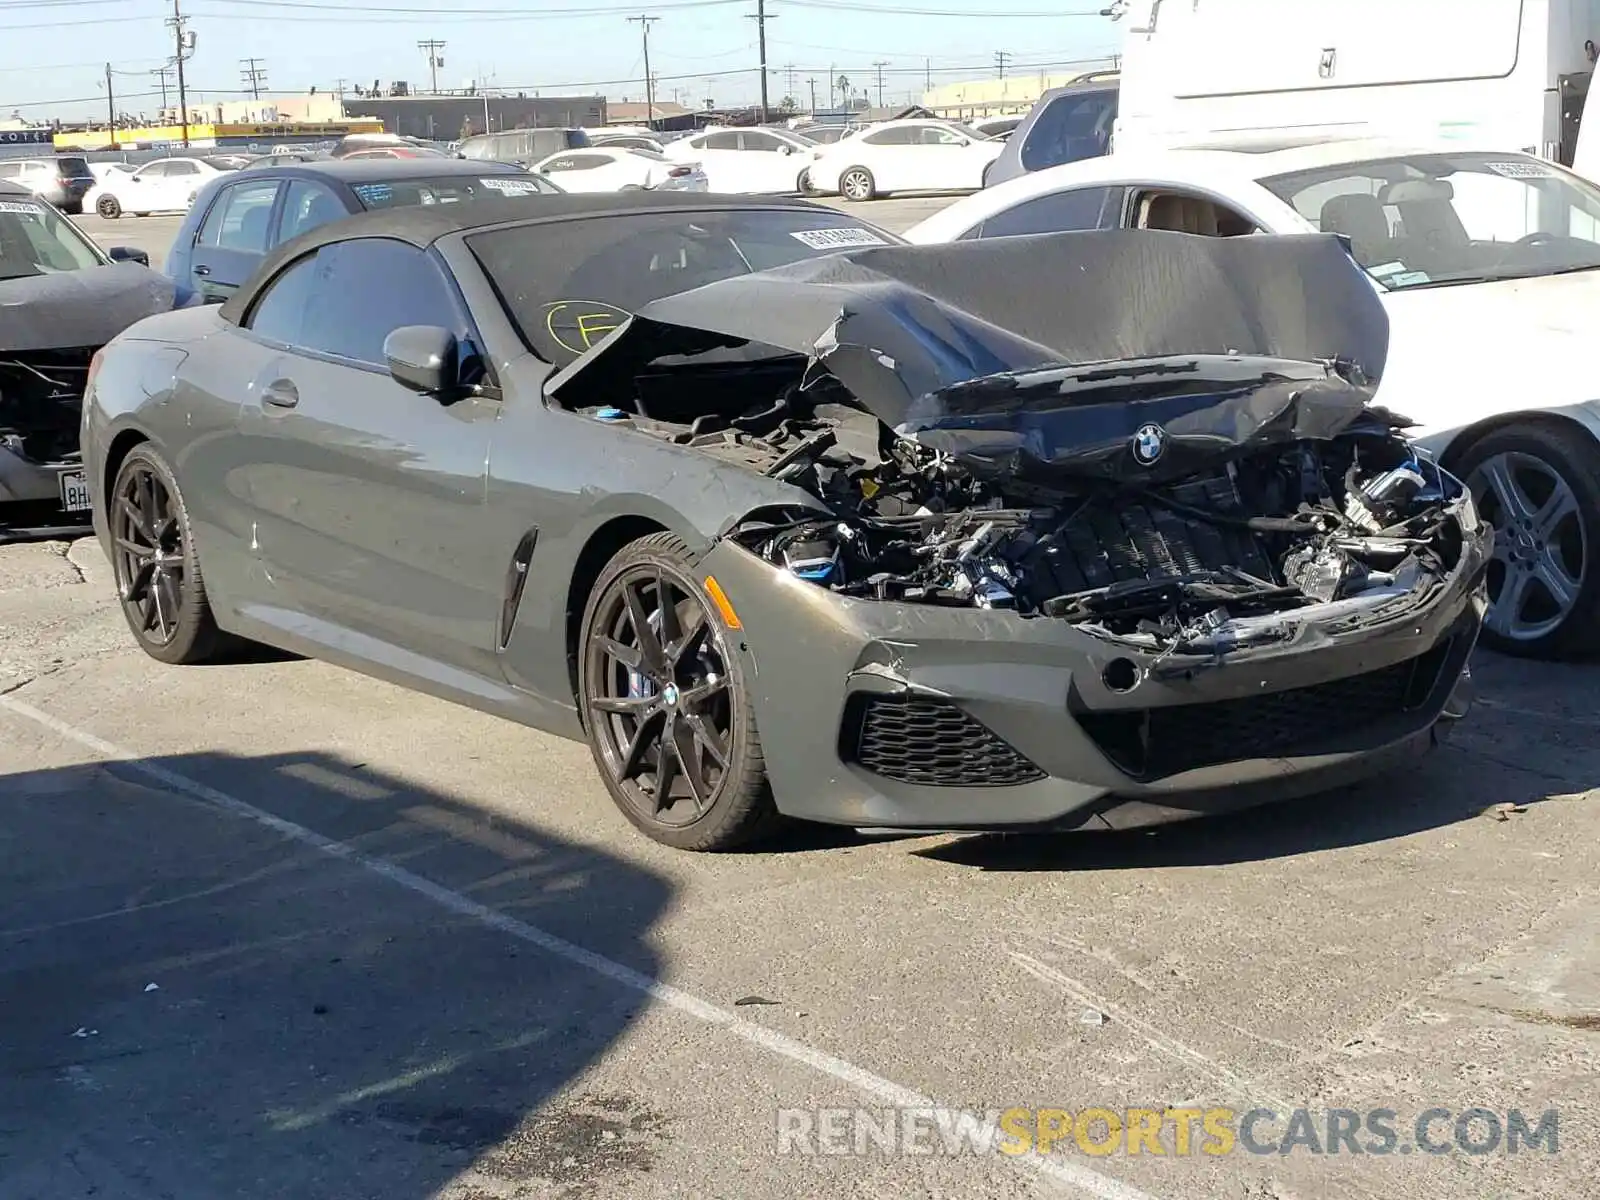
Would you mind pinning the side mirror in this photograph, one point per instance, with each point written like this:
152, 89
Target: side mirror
785, 148
128, 254
424, 358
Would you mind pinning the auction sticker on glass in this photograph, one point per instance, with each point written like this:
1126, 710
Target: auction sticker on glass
837, 239
512, 186
25, 207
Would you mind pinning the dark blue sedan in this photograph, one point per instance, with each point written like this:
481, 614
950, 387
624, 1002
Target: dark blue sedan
241, 215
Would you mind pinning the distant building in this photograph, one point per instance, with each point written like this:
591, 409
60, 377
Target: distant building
448, 116
299, 109
666, 114
997, 97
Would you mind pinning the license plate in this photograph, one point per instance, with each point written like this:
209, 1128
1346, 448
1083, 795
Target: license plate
74, 492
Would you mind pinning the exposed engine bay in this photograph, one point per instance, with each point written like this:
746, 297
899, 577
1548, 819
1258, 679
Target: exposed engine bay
1341, 527
41, 396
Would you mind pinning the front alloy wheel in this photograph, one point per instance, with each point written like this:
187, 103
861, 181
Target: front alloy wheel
153, 558
108, 208
1539, 487
665, 707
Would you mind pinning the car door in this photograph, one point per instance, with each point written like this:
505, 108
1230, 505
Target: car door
719, 157
769, 163
182, 180
234, 237
366, 497
886, 153
944, 160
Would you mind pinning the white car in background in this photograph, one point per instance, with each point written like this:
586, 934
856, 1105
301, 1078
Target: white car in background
904, 156
620, 169
165, 185
1489, 268
754, 161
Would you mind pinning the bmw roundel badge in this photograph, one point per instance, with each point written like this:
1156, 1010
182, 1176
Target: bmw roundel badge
1149, 444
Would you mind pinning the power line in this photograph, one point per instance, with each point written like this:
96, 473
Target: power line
761, 20
253, 76
185, 46
431, 48
645, 20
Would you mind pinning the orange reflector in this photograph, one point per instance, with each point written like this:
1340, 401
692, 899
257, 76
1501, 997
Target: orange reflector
720, 599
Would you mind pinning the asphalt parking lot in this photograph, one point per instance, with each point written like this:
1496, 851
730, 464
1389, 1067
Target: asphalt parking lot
272, 929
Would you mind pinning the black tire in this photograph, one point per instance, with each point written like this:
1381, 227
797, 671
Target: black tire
108, 208
866, 189
623, 711
802, 183
150, 528
1541, 536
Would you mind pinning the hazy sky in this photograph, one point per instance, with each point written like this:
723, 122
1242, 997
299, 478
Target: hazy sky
53, 52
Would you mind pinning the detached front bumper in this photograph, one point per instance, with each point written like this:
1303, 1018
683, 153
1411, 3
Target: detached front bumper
917, 717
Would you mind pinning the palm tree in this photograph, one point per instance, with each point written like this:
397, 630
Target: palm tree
842, 85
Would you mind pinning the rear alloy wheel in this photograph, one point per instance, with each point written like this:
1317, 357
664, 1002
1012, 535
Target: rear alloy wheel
802, 184
856, 184
665, 705
1540, 488
108, 208
158, 574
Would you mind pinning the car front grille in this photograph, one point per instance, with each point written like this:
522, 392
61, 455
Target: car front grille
1324, 718
931, 742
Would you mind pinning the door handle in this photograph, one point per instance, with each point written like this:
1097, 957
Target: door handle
280, 394
202, 270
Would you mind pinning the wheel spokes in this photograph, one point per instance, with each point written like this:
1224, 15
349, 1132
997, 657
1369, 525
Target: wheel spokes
686, 749
645, 735
628, 656
654, 659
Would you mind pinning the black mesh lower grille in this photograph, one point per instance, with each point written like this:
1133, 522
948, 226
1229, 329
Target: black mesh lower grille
1152, 743
914, 739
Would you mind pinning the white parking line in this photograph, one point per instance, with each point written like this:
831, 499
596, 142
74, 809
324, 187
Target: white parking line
885, 1091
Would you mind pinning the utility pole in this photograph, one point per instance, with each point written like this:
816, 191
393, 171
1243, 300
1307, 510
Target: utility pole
185, 47
788, 79
811, 82
1001, 57
161, 73
761, 19
880, 65
645, 20
111, 110
253, 76
927, 74
431, 48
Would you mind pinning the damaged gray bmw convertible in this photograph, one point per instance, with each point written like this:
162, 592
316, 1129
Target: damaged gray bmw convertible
785, 519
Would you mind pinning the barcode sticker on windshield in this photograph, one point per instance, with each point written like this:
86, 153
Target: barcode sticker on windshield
1522, 170
837, 239
21, 206
512, 187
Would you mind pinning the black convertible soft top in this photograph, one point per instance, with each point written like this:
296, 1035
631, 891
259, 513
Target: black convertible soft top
422, 225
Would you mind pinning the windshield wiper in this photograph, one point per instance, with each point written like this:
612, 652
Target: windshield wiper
1491, 277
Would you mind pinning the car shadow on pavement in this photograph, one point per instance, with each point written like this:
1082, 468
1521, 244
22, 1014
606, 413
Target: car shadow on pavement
194, 1004
1448, 787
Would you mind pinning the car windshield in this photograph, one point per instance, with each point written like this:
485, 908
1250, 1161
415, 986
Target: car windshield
447, 189
566, 285
1432, 220
37, 240
967, 131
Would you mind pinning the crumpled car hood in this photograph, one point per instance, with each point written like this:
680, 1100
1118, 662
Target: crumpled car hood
69, 309
985, 348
